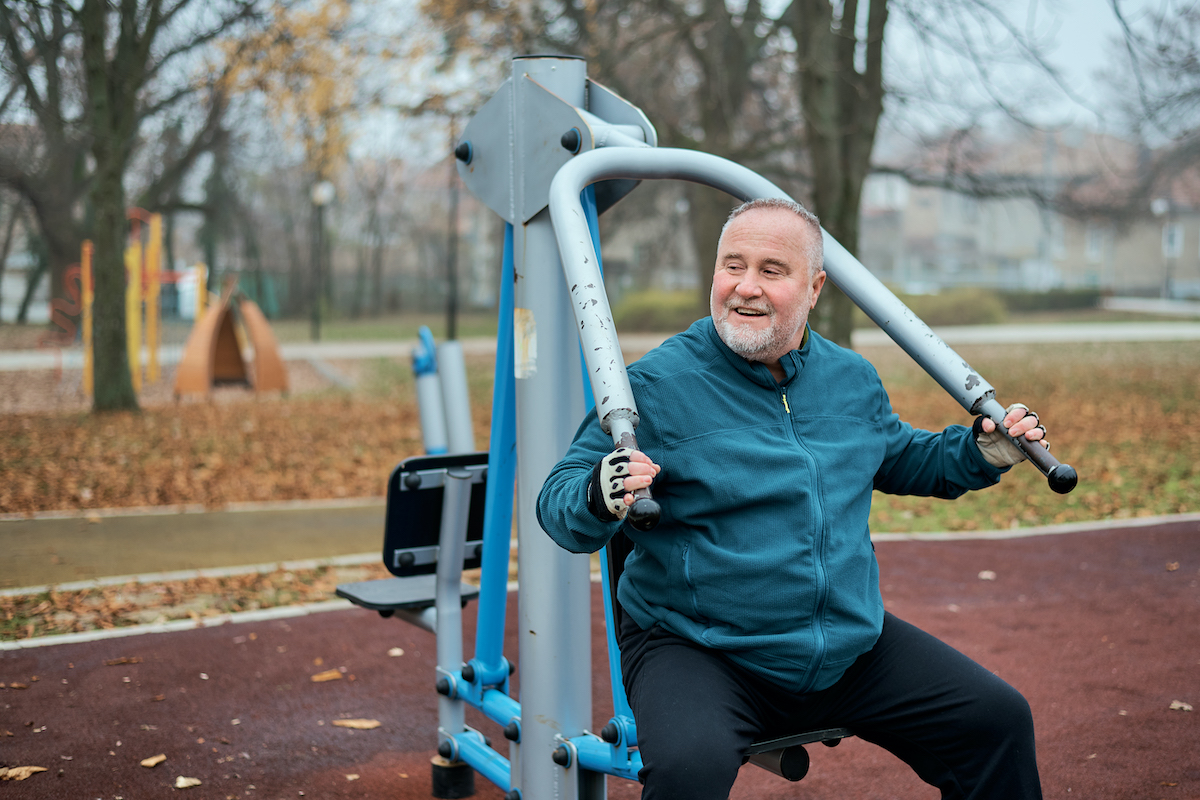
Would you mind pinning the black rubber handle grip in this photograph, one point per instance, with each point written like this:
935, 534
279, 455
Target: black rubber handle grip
645, 511
1061, 477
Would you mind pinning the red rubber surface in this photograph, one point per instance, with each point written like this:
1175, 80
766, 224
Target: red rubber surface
1094, 628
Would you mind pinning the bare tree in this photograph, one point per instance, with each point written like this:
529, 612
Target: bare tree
795, 91
91, 74
372, 178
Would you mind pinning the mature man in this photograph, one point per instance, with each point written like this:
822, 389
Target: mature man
753, 610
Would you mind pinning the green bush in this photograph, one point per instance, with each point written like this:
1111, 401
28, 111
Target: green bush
1053, 300
669, 312
657, 311
964, 306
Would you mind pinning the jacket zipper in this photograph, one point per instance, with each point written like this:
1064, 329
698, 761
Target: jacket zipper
820, 578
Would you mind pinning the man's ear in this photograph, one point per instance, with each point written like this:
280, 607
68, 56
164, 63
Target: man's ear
818, 282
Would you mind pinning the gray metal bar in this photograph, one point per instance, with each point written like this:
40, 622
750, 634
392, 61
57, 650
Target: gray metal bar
452, 372
456, 507
594, 324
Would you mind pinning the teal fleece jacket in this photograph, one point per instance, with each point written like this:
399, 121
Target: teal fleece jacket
763, 549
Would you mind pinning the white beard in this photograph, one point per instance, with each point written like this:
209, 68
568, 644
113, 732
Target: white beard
755, 344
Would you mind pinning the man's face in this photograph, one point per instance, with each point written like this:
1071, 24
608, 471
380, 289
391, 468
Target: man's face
762, 291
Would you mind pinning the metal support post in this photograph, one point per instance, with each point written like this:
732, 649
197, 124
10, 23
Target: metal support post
555, 592
452, 371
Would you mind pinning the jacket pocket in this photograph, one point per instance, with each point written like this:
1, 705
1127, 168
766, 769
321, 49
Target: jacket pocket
690, 587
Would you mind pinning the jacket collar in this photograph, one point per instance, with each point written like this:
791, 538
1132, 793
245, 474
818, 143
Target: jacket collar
755, 371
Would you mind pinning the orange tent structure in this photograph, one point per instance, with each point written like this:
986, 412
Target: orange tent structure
213, 354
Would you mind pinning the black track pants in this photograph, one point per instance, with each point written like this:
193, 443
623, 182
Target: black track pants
957, 725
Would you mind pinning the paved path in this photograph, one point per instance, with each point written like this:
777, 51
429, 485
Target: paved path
72, 358
1097, 629
54, 549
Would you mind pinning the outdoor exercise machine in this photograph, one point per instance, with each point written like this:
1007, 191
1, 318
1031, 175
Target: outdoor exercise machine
548, 153
442, 396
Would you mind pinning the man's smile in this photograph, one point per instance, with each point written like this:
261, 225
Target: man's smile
747, 311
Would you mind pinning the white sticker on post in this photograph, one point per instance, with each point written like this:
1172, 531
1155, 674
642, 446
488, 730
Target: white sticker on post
524, 343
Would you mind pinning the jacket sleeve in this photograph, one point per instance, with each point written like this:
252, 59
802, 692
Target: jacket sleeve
919, 462
562, 503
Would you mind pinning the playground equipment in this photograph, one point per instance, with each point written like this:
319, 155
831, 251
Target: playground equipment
442, 396
548, 153
144, 279
213, 353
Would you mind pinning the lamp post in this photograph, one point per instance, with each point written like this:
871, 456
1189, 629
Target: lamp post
322, 195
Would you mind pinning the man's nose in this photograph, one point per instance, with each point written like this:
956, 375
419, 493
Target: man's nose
748, 286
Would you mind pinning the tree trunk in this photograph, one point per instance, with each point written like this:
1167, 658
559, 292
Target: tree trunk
111, 117
296, 281
32, 280
842, 106
59, 234
709, 208
6, 246
377, 276
360, 282
113, 383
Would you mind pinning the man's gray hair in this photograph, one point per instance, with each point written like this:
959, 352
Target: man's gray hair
815, 253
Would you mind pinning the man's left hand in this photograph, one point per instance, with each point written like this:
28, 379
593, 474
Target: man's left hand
996, 447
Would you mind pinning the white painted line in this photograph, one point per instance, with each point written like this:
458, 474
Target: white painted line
1042, 530
1047, 333
264, 615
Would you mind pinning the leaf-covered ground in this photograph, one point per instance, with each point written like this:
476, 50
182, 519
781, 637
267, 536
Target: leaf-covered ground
323, 443
103, 608
1127, 416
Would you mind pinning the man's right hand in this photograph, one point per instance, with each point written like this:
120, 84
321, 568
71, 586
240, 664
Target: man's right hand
615, 478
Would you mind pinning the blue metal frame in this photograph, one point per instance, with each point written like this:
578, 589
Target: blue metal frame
489, 663
488, 692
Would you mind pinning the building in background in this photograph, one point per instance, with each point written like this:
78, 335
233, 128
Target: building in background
1036, 212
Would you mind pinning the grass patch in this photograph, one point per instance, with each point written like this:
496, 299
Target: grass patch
395, 327
656, 311
1125, 415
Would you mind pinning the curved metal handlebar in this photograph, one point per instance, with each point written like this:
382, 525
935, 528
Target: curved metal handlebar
605, 364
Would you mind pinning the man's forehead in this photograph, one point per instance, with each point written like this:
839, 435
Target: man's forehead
776, 226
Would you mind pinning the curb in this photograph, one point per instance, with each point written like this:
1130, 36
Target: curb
1041, 530
197, 508
264, 615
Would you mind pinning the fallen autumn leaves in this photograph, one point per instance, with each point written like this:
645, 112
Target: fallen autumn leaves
18, 773
54, 612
